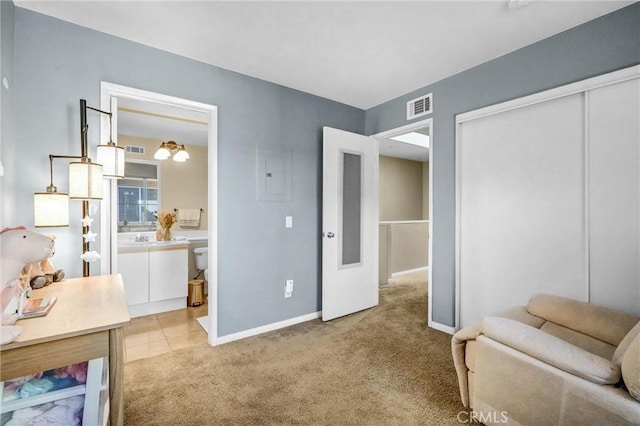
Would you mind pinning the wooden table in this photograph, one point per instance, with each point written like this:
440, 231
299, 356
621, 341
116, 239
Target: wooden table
85, 323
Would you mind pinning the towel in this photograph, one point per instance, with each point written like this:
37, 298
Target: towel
189, 218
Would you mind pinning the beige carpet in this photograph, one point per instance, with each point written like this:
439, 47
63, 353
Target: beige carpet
382, 366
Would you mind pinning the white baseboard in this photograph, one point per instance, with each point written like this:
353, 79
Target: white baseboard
409, 271
266, 328
157, 307
204, 323
444, 328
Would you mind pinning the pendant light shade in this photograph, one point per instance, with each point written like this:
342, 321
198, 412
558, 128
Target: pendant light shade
50, 208
111, 156
85, 180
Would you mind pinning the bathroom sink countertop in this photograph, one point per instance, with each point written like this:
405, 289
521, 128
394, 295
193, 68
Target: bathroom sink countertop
133, 245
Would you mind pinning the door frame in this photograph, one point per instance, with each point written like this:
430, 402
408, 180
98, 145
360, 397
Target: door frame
428, 122
108, 207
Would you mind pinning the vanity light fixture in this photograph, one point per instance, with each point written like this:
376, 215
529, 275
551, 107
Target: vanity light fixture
166, 148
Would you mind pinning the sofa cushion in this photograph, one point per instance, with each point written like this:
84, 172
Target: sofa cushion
551, 350
622, 347
602, 323
631, 368
520, 314
583, 341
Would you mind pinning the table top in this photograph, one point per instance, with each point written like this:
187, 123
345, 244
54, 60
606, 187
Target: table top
84, 305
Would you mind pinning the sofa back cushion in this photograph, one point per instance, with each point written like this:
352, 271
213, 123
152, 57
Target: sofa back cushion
551, 350
631, 368
588, 343
602, 323
626, 342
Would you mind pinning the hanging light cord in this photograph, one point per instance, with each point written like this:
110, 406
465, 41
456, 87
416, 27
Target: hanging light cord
51, 157
110, 114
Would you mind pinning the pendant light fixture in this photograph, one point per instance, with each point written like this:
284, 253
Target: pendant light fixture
85, 180
51, 208
110, 155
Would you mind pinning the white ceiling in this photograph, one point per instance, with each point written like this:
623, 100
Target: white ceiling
359, 53
163, 122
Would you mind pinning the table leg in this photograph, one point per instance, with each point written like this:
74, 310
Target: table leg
116, 377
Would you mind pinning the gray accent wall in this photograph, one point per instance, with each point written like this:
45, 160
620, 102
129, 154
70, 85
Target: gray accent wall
603, 45
7, 11
57, 63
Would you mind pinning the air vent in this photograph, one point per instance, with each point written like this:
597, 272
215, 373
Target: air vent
132, 149
420, 106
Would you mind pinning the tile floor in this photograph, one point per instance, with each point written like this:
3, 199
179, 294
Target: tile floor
160, 333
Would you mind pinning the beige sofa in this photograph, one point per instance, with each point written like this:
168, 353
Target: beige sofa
556, 361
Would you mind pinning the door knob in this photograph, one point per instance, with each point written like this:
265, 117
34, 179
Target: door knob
330, 235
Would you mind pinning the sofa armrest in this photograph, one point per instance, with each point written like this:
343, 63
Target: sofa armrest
596, 321
458, 347
551, 350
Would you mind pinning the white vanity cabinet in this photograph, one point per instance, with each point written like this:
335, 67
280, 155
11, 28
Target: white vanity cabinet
166, 268
155, 277
134, 268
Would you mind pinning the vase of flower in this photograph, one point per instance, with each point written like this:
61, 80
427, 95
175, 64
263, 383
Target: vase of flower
166, 220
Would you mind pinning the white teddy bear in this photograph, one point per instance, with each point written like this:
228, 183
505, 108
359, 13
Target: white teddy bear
18, 246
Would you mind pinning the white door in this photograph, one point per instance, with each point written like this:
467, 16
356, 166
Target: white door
349, 223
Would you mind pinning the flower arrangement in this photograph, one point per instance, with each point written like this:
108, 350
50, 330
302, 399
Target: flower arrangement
166, 220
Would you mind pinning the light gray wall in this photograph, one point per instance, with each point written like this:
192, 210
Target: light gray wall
7, 10
599, 46
57, 63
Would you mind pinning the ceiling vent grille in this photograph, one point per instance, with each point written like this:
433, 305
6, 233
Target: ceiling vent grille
420, 106
132, 149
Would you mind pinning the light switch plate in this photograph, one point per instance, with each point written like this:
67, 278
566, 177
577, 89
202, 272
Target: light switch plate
288, 222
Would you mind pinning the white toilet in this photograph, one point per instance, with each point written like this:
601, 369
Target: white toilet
201, 256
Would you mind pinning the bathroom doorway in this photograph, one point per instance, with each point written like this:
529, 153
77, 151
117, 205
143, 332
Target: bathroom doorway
111, 95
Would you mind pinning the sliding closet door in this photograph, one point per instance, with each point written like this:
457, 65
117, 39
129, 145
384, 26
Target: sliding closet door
614, 191
520, 206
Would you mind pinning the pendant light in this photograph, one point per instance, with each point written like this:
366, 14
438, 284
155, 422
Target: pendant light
111, 156
85, 180
50, 208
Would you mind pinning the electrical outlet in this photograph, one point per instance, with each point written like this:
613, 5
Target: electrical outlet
288, 288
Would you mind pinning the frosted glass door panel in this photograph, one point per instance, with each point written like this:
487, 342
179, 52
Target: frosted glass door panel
351, 235
521, 207
614, 188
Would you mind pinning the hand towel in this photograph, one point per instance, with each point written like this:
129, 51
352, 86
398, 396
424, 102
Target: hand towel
189, 217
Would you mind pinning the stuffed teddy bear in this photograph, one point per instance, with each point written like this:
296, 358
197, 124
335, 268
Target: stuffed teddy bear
40, 274
18, 246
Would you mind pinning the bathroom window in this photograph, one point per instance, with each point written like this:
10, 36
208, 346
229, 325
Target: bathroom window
138, 196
